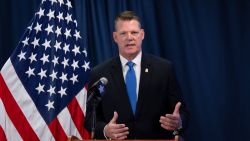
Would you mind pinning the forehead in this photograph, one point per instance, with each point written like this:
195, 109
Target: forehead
127, 25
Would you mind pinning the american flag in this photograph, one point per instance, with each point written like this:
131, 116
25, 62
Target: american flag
42, 85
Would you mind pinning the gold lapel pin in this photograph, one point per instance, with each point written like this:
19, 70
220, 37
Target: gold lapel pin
146, 70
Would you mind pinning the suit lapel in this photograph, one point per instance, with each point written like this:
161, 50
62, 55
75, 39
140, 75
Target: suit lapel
146, 73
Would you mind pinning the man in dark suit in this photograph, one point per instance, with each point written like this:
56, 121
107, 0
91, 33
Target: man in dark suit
155, 109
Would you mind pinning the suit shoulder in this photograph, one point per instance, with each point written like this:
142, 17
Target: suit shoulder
158, 60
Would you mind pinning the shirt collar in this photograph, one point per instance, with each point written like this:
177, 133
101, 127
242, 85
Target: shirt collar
136, 60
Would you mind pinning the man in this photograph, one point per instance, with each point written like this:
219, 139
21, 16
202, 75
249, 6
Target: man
155, 109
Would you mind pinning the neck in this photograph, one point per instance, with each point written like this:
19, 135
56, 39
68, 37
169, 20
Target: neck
130, 57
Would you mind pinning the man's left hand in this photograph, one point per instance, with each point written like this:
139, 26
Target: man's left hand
172, 121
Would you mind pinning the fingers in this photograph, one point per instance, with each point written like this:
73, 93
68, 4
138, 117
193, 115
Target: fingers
168, 127
177, 109
116, 131
116, 127
120, 133
115, 117
171, 121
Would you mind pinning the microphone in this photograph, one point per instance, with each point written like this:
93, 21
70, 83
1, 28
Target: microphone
97, 88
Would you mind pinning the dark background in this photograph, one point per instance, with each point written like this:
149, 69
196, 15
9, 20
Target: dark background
207, 40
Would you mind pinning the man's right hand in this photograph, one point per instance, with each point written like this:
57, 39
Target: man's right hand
116, 131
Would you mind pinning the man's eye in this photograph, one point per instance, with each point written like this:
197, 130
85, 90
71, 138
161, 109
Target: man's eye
135, 33
122, 33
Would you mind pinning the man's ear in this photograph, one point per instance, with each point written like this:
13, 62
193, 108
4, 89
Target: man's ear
115, 36
143, 34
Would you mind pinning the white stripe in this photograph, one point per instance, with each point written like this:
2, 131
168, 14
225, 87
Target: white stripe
10, 131
25, 102
68, 124
81, 98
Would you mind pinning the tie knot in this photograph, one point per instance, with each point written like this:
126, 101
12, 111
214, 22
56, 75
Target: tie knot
130, 64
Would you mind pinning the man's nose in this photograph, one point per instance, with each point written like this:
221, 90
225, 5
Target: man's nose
129, 36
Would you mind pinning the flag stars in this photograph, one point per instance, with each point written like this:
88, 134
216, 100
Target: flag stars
62, 92
76, 50
32, 57
42, 73
50, 55
38, 27
30, 27
63, 77
69, 4
53, 75
61, 2
40, 88
75, 22
86, 66
75, 64
66, 48
35, 42
67, 33
49, 29
40, 13
57, 45
22, 55
30, 72
46, 44
85, 52
55, 60
51, 14
74, 78
68, 18
65, 62
45, 58
25, 41
77, 35
58, 31
60, 16
50, 105
51, 90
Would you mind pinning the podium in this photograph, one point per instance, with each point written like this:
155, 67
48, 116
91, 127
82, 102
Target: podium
177, 138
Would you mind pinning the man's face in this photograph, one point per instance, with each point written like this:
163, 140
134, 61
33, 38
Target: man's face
128, 36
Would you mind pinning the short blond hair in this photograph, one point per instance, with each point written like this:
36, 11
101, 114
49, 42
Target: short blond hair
127, 16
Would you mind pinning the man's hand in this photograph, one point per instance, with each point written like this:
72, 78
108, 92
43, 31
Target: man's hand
116, 131
172, 121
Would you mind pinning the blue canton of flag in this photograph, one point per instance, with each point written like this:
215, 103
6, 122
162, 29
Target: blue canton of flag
50, 60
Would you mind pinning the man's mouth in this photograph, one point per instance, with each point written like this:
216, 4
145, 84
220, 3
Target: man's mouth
130, 45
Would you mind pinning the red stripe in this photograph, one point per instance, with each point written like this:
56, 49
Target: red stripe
78, 118
2, 134
57, 130
16, 115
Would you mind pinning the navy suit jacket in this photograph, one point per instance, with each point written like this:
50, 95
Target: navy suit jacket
158, 94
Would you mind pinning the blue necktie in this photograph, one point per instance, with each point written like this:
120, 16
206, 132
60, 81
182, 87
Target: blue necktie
131, 85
